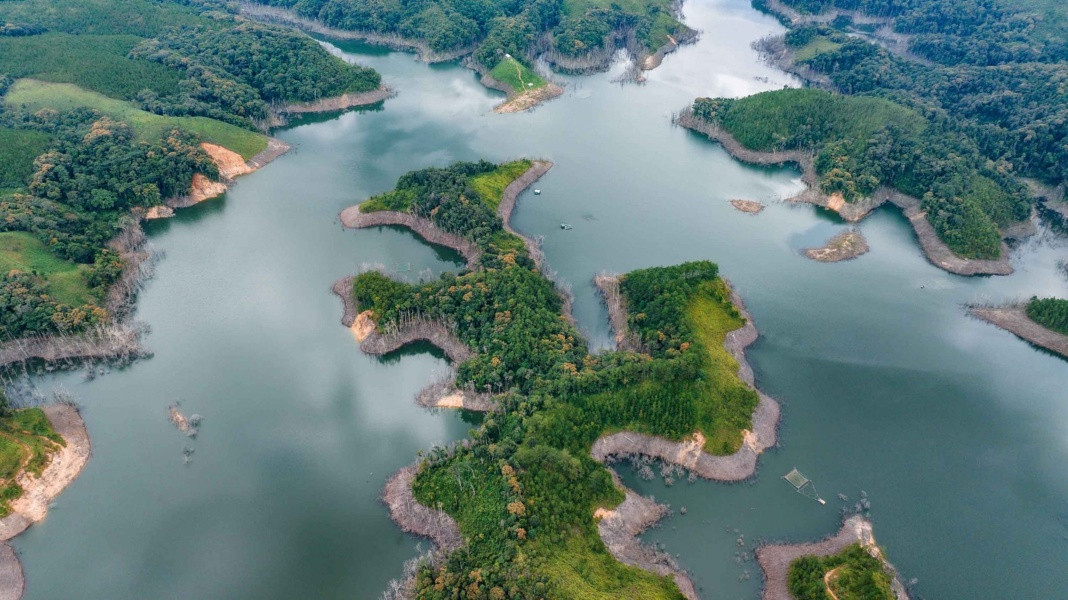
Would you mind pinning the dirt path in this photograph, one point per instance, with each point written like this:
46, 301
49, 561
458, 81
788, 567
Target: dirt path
827, 578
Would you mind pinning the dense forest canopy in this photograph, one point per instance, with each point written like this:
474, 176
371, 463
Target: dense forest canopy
535, 486
1051, 313
494, 28
863, 142
73, 169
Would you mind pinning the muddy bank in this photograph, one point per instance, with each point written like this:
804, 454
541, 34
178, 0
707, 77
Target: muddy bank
1014, 319
352, 218
619, 528
608, 285
116, 340
529, 99
747, 206
416, 518
775, 559
844, 246
934, 249
444, 394
280, 114
279, 16
937, 252
39, 492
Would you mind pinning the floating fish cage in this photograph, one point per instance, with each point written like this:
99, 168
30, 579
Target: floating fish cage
803, 485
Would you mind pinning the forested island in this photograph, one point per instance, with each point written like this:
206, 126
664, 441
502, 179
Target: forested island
116, 112
501, 37
1040, 321
951, 107
518, 499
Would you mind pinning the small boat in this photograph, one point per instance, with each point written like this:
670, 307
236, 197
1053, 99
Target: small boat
566, 226
537, 192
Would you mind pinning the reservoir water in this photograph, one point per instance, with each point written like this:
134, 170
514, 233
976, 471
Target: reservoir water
957, 431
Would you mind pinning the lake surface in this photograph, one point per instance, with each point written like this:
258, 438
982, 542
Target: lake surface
955, 429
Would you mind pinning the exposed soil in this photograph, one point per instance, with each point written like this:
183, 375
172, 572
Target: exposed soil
528, 99
775, 559
747, 206
844, 246
608, 285
416, 518
230, 163
12, 579
352, 218
1014, 319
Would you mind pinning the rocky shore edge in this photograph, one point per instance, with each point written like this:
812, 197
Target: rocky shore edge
934, 249
775, 559
620, 527
39, 492
1013, 318
846, 245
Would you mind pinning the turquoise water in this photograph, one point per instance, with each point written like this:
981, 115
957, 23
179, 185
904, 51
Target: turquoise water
955, 429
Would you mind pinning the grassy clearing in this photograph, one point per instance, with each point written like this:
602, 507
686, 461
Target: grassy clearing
725, 397
517, 75
18, 149
66, 280
94, 62
490, 186
817, 46
35, 95
27, 442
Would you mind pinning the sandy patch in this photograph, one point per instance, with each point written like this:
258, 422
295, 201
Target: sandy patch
747, 206
529, 99
62, 469
229, 162
363, 326
159, 212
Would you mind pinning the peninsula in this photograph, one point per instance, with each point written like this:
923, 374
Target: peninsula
681, 389
1041, 321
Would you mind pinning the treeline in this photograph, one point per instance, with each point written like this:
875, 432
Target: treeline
493, 28
193, 59
80, 192
857, 574
1051, 313
524, 487
861, 143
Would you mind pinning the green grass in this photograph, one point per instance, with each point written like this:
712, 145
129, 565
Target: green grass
817, 46
859, 576
18, 149
27, 440
712, 319
517, 75
94, 62
490, 186
583, 569
35, 95
66, 280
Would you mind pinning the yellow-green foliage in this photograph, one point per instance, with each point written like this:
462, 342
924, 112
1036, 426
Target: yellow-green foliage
583, 570
490, 186
36, 95
519, 76
66, 279
27, 442
818, 45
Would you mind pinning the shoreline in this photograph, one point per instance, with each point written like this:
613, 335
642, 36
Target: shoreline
280, 115
39, 492
230, 165
775, 559
1014, 319
934, 249
516, 101
353, 218
690, 453
636, 513
273, 15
